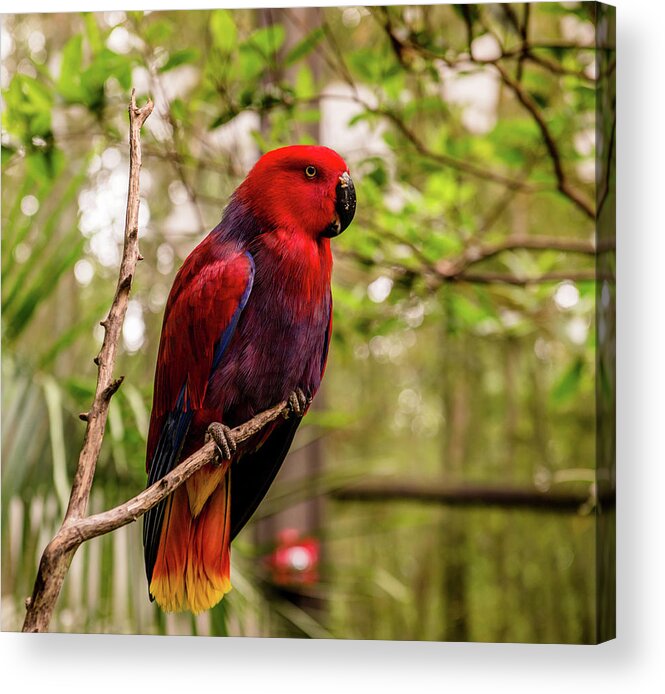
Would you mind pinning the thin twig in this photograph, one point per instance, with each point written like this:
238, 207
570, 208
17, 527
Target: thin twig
466, 167
523, 52
456, 268
545, 278
476, 253
53, 567
165, 113
563, 184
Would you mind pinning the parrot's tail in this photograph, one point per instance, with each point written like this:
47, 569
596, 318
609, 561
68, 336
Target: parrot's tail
193, 566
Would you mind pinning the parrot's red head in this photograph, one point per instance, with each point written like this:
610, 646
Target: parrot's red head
304, 188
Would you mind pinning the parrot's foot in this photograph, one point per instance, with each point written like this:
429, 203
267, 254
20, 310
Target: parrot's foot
223, 438
298, 402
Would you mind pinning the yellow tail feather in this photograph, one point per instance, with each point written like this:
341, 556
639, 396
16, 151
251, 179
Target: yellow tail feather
193, 566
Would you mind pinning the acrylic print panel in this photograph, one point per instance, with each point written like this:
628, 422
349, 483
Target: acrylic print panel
453, 478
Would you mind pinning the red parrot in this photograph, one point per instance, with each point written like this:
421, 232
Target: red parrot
247, 325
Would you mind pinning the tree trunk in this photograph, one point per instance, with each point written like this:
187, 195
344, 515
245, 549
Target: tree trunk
305, 517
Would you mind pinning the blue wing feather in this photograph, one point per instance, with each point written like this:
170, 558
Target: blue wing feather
174, 432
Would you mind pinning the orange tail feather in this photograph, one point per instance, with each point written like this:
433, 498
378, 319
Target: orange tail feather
193, 566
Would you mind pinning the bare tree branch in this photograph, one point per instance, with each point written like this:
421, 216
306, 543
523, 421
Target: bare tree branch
563, 184
502, 278
108, 521
471, 495
75, 531
456, 268
466, 167
48, 583
523, 52
476, 253
171, 144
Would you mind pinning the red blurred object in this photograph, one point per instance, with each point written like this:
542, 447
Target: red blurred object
295, 559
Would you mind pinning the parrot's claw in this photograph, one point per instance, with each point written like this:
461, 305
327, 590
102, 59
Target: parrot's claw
223, 438
298, 402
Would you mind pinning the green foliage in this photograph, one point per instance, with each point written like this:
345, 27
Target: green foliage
430, 376
223, 29
28, 109
304, 47
568, 384
83, 82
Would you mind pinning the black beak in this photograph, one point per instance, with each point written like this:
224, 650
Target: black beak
345, 206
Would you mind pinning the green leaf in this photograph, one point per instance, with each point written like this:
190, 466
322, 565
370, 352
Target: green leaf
223, 29
92, 32
27, 285
45, 165
79, 388
363, 62
14, 233
222, 118
468, 311
179, 109
67, 338
53, 397
250, 65
304, 84
7, 153
38, 95
187, 55
69, 83
301, 49
27, 113
569, 383
158, 32
106, 64
267, 40
33, 295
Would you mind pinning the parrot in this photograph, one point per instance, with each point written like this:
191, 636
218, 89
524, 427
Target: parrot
247, 325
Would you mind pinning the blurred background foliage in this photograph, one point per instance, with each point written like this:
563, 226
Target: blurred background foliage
464, 340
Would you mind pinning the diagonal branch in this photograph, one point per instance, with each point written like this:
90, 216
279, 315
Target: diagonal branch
108, 521
75, 531
563, 184
476, 253
457, 268
48, 583
466, 167
402, 47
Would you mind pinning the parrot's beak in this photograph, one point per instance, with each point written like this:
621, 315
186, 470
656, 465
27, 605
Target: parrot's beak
345, 206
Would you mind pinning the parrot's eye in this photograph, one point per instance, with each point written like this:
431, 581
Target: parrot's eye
310, 171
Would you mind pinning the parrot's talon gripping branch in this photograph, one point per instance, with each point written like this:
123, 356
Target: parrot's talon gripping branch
298, 402
224, 440
218, 297
75, 531
248, 321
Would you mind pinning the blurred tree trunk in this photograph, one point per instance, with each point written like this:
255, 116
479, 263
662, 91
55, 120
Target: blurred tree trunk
457, 416
606, 325
307, 462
